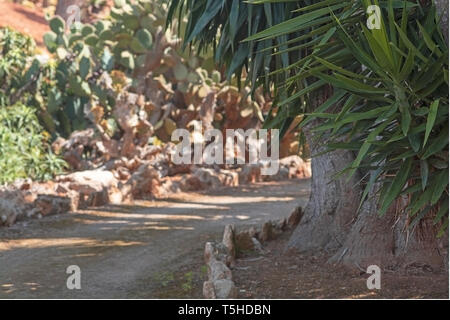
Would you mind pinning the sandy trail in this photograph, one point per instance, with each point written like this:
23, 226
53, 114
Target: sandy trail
121, 248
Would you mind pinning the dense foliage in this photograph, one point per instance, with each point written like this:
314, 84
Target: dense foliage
92, 66
24, 152
15, 49
381, 92
24, 148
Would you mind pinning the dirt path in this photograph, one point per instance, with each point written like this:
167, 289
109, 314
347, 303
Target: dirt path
26, 20
132, 251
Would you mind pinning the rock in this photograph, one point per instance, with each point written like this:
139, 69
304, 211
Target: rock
165, 187
297, 168
225, 289
208, 290
62, 188
53, 204
229, 178
27, 199
126, 190
217, 270
123, 173
144, 181
22, 184
209, 252
58, 144
257, 245
295, 217
73, 148
133, 164
228, 240
92, 186
219, 284
148, 152
189, 182
289, 168
281, 175
252, 232
244, 242
89, 181
12, 205
179, 169
83, 137
115, 195
250, 173
208, 178
217, 251
107, 149
281, 224
93, 199
267, 232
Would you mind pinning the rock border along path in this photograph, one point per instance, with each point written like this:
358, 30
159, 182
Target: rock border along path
122, 249
220, 257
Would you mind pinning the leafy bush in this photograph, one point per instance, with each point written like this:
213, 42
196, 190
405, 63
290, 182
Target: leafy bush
15, 49
23, 146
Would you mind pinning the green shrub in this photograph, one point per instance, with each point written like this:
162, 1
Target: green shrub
24, 151
15, 48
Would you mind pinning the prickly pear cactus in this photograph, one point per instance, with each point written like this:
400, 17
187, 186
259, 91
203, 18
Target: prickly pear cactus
94, 64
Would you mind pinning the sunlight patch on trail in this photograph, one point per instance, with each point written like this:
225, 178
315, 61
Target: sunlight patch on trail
62, 242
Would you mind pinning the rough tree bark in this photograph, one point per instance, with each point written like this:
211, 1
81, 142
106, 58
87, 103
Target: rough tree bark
331, 221
332, 204
442, 9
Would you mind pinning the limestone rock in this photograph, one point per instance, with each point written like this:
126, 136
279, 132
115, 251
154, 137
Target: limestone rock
208, 178
54, 204
225, 289
297, 167
244, 242
257, 245
228, 240
12, 205
229, 178
281, 175
250, 173
281, 224
144, 180
209, 252
217, 270
208, 290
267, 232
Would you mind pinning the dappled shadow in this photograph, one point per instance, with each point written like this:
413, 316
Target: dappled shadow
179, 212
151, 233
31, 15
